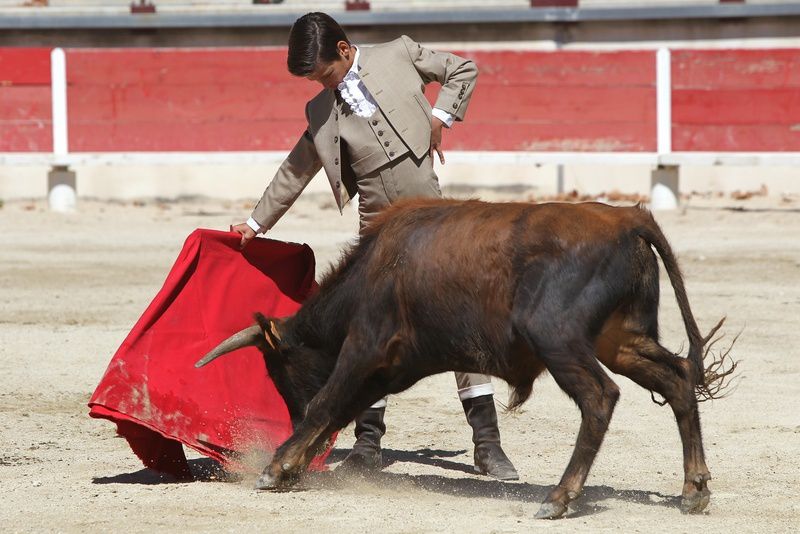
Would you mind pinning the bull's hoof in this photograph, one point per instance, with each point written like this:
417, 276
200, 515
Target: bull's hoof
696, 494
551, 510
695, 502
267, 482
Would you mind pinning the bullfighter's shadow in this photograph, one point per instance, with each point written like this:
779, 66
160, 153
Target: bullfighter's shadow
432, 457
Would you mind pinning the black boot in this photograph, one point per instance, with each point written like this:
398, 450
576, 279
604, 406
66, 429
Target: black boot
366, 454
489, 456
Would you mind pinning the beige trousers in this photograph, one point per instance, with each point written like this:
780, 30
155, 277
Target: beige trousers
407, 177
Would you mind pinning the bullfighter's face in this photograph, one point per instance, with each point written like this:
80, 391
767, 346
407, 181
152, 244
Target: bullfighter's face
331, 74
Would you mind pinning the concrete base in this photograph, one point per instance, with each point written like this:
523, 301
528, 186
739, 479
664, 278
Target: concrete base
61, 189
664, 191
129, 181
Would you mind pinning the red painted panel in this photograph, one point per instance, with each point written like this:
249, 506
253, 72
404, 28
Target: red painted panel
557, 69
176, 66
25, 112
741, 69
726, 138
26, 136
25, 102
24, 66
736, 100
564, 104
569, 137
218, 100
158, 136
725, 106
184, 99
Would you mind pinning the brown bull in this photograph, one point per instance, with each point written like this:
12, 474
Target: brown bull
509, 290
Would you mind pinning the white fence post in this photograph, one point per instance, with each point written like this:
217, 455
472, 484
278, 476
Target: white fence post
60, 180
664, 179
58, 81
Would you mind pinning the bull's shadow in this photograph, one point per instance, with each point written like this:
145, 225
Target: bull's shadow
589, 503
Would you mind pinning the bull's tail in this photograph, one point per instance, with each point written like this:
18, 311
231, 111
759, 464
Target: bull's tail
711, 382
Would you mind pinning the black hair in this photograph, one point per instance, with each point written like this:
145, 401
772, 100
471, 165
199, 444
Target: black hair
312, 40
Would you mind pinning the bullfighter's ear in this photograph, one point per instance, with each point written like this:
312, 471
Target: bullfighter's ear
271, 329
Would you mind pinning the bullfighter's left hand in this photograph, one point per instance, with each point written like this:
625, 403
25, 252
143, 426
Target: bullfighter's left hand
436, 138
246, 232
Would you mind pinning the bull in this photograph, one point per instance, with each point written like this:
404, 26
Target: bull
511, 290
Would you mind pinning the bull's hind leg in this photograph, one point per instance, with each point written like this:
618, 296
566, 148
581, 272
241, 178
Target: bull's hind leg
580, 376
653, 367
554, 304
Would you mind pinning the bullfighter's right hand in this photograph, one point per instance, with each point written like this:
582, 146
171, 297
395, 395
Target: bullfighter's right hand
247, 234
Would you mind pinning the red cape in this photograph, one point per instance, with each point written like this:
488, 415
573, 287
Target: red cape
152, 390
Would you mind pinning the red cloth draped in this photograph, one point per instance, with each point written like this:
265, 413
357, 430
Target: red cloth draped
152, 390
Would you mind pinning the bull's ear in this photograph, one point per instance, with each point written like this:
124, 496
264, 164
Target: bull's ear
271, 329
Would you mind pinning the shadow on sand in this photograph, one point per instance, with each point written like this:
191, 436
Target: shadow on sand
590, 502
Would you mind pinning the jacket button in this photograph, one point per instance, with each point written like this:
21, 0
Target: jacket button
336, 161
380, 132
455, 106
386, 143
337, 185
391, 154
374, 122
335, 138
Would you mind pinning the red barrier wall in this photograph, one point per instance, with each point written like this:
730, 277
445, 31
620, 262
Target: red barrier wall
243, 99
736, 100
183, 99
25, 108
560, 101
231, 99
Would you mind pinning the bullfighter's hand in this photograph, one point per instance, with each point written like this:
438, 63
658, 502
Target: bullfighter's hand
436, 138
247, 234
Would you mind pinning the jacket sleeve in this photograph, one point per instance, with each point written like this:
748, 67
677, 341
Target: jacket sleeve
292, 177
456, 74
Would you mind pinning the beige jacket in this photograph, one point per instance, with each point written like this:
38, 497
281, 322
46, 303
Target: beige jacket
395, 74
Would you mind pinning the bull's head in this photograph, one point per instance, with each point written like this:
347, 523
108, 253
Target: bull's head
295, 370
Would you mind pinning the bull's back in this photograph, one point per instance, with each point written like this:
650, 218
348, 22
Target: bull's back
456, 254
462, 237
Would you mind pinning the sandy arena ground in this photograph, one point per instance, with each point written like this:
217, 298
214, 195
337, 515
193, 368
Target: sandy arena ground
71, 287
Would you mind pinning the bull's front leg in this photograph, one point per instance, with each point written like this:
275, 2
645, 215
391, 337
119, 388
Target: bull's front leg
347, 393
292, 458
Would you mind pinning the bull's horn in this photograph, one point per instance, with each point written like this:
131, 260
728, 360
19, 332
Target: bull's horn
245, 338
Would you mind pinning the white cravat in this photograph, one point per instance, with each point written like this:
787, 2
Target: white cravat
355, 93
